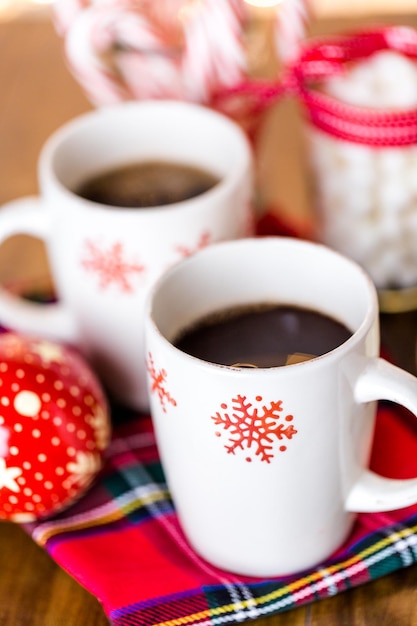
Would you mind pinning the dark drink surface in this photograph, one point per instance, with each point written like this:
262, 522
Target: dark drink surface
147, 184
263, 335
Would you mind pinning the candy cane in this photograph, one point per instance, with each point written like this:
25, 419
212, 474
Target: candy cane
66, 12
135, 49
95, 29
290, 29
214, 55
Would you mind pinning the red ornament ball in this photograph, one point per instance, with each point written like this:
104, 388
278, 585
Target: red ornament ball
54, 427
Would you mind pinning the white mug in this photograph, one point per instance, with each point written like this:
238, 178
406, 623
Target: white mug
104, 259
268, 467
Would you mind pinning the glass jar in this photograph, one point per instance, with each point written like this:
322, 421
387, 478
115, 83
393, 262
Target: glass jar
360, 96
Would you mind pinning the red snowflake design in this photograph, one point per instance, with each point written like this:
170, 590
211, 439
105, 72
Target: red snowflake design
203, 241
110, 266
158, 384
251, 428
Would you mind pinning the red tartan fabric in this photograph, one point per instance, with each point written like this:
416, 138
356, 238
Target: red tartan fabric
144, 572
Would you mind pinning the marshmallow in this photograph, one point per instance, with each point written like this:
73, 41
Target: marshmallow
386, 79
367, 196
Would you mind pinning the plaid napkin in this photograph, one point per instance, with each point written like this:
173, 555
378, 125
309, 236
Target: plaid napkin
123, 542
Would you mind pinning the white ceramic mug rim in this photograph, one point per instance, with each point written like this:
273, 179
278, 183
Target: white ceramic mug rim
357, 335
214, 194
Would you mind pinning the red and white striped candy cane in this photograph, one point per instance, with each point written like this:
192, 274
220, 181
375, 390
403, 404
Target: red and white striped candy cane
292, 18
117, 54
135, 49
214, 57
66, 12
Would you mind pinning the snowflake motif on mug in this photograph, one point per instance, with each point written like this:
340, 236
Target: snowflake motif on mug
203, 241
253, 428
110, 266
158, 380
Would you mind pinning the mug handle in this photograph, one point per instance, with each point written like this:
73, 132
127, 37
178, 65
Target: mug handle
382, 380
28, 216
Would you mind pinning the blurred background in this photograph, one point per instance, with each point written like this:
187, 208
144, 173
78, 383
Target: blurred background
10, 9
35, 76
35, 70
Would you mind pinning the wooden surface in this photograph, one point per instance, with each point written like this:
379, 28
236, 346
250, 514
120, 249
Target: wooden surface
37, 94
343, 8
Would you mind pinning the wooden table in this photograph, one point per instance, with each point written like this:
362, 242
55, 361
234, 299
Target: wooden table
37, 94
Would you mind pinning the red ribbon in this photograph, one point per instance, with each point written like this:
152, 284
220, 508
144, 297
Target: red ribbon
318, 61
